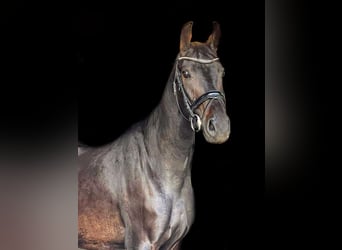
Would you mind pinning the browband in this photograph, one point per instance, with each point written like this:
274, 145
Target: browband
197, 59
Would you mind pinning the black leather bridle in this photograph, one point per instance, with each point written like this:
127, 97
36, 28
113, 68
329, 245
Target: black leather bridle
190, 107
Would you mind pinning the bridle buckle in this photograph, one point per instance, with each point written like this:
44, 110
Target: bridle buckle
196, 123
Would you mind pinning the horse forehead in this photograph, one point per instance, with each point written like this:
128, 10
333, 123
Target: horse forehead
203, 68
200, 50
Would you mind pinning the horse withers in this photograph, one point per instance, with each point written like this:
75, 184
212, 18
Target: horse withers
136, 192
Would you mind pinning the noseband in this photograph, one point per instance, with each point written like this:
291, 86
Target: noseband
195, 119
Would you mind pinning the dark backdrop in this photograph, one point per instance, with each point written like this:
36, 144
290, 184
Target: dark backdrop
123, 58
113, 61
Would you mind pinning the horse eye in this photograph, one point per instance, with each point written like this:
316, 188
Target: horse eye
186, 74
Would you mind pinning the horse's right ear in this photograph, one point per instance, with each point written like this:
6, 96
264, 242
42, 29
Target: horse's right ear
186, 36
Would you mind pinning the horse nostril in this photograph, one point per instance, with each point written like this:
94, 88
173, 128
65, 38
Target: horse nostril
211, 125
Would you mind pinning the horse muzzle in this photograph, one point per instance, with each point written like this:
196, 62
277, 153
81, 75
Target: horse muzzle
216, 123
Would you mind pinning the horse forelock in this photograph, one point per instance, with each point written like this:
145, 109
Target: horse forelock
200, 50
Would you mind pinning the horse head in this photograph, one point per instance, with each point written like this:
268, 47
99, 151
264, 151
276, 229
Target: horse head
198, 85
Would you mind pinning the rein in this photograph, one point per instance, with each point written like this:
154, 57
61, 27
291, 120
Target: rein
193, 117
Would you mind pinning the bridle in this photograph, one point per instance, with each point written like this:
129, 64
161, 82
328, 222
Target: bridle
178, 87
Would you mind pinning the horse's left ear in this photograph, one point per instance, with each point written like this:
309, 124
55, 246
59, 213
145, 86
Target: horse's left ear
213, 40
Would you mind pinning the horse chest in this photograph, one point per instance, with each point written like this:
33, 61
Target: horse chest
179, 217
177, 221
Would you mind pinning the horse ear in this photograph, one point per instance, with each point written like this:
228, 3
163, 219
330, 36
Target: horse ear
186, 35
213, 40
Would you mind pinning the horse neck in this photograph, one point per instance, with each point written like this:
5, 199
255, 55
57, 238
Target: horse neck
169, 129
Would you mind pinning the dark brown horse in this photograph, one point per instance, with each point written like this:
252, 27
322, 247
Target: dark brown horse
136, 192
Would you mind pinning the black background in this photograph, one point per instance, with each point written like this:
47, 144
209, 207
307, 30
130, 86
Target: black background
123, 59
88, 70
113, 60
95, 68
